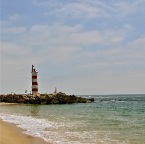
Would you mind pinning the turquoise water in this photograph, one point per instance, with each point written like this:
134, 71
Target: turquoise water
111, 119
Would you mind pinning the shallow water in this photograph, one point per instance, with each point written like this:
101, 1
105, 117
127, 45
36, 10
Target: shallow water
111, 119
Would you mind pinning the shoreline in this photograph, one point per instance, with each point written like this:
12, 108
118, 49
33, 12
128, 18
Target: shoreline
11, 134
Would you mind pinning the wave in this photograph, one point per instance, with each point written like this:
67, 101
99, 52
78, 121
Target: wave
31, 126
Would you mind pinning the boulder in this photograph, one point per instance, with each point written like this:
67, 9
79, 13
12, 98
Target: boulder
55, 98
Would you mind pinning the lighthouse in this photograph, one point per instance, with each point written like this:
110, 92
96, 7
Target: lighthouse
34, 81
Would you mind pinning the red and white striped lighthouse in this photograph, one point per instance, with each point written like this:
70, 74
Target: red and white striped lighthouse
34, 81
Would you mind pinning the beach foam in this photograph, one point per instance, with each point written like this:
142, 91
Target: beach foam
32, 126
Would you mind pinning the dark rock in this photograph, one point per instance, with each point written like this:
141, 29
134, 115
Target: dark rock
81, 100
56, 98
55, 101
90, 99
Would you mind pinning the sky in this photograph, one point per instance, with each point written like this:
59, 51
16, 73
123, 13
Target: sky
79, 46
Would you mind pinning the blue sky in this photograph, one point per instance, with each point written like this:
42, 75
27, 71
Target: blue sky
78, 46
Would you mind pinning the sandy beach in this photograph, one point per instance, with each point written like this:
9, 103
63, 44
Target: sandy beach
10, 134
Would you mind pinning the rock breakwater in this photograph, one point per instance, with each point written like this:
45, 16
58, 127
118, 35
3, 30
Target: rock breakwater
57, 98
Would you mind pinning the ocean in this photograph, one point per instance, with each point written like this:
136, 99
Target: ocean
111, 119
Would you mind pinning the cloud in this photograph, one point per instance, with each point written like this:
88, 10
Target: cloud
79, 10
11, 23
139, 42
13, 30
88, 9
15, 17
66, 42
126, 8
83, 10
124, 58
61, 41
138, 49
12, 49
73, 35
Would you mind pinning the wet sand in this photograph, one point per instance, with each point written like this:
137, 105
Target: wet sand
10, 134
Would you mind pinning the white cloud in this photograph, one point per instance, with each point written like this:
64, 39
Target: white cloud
127, 58
12, 49
128, 27
88, 9
140, 42
137, 50
126, 8
73, 35
15, 17
14, 30
79, 10
61, 43
83, 10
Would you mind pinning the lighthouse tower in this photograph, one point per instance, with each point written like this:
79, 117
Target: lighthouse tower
34, 81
